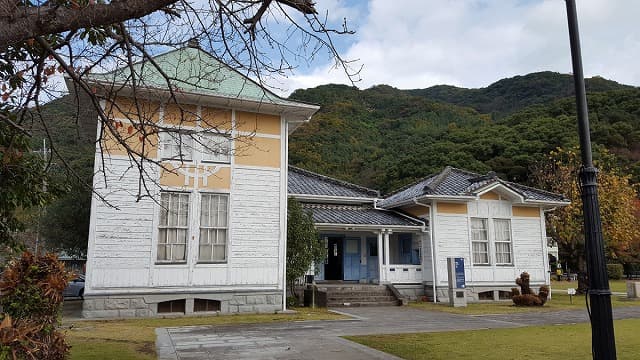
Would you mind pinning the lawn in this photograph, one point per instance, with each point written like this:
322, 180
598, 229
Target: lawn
558, 302
135, 338
615, 285
539, 342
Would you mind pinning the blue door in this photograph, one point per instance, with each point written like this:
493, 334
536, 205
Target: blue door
372, 259
351, 259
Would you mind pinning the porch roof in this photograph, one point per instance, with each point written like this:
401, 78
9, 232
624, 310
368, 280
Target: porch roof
303, 182
358, 215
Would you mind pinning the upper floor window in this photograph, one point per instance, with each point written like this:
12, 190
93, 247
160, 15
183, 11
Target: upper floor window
173, 227
216, 148
176, 146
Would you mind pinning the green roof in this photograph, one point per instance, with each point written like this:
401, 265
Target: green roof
193, 70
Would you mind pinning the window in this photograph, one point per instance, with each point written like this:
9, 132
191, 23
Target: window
216, 148
203, 305
173, 306
480, 241
213, 227
502, 233
173, 227
176, 146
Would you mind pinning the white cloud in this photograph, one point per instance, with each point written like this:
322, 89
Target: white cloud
416, 44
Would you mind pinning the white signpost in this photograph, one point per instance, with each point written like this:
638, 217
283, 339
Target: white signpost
571, 292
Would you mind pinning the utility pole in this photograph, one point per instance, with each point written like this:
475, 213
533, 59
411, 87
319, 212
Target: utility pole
603, 343
45, 156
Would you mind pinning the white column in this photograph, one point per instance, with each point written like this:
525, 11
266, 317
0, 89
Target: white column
386, 254
380, 270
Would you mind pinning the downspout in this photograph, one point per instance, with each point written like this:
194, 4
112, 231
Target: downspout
286, 215
433, 259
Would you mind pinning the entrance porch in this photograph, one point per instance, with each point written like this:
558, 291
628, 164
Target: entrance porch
373, 257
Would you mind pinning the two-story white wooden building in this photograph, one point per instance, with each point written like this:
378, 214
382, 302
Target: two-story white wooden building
212, 235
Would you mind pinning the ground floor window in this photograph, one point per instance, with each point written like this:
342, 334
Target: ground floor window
205, 305
173, 306
173, 227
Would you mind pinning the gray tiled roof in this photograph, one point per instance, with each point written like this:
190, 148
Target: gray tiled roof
454, 182
357, 215
303, 182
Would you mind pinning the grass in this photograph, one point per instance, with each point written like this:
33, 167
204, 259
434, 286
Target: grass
615, 285
558, 302
135, 338
539, 342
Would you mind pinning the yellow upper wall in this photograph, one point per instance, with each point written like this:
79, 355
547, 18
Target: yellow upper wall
525, 211
257, 151
250, 150
490, 196
212, 118
452, 208
125, 108
258, 123
183, 115
140, 140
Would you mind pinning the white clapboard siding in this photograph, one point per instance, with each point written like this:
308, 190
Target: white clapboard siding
528, 247
255, 223
452, 240
426, 258
122, 233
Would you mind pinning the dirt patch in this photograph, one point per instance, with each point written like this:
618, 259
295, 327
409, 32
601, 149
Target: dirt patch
147, 348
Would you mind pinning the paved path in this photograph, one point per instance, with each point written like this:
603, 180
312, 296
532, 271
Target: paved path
321, 339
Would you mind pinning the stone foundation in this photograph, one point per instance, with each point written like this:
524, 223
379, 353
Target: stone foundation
412, 292
476, 293
134, 305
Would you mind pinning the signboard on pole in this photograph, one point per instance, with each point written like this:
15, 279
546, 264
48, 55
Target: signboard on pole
460, 281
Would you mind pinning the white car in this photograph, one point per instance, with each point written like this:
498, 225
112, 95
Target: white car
75, 287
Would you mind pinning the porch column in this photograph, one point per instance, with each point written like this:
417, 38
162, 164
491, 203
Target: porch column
386, 253
380, 271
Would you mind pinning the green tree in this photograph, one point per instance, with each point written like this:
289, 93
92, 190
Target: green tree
21, 183
303, 245
617, 198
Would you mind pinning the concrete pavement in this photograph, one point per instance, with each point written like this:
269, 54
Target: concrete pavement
321, 339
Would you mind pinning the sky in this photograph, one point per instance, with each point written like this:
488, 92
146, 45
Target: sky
473, 43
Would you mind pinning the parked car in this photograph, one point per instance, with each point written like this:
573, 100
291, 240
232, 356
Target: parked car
75, 288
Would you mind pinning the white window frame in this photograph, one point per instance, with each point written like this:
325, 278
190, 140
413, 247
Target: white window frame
169, 247
176, 145
509, 242
486, 241
217, 228
207, 154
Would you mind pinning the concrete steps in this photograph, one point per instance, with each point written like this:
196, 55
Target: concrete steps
357, 295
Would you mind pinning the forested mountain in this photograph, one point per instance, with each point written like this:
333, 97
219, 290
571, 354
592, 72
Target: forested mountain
384, 137
509, 95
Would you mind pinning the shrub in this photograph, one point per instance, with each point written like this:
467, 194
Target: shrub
527, 297
31, 289
292, 301
615, 271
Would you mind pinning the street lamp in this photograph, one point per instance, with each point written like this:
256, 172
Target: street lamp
603, 343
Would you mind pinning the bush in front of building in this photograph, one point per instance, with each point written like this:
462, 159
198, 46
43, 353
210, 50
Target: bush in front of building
525, 296
615, 271
31, 300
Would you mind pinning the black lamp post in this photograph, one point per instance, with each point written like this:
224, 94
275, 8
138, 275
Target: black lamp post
602, 337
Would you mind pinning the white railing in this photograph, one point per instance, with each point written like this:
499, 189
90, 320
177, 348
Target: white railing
398, 274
